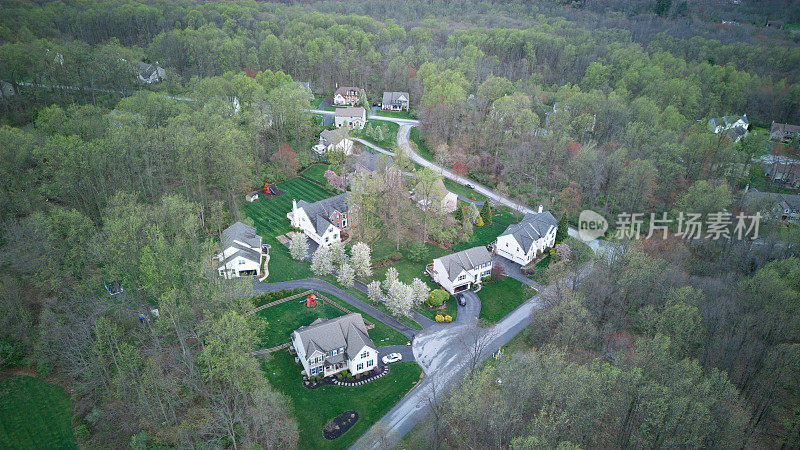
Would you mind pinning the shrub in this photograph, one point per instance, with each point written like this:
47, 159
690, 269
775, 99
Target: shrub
479, 222
486, 279
439, 318
552, 252
437, 297
498, 270
448, 318
418, 252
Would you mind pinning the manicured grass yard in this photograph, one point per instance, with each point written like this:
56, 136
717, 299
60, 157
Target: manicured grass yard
34, 414
422, 147
462, 190
281, 320
501, 297
314, 408
270, 220
395, 114
316, 172
485, 235
389, 137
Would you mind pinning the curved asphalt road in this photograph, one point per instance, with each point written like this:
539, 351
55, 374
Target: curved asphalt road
324, 286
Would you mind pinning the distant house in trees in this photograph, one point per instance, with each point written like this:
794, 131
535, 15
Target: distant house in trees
459, 271
241, 252
353, 117
732, 126
368, 162
783, 132
327, 347
783, 207
347, 95
448, 201
523, 241
149, 73
322, 221
781, 169
395, 101
334, 140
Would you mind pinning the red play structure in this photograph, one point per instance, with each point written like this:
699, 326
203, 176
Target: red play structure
269, 190
311, 301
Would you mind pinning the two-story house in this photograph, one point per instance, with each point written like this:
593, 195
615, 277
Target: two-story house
783, 132
523, 241
322, 221
330, 140
347, 95
327, 347
395, 101
733, 126
353, 117
241, 252
459, 271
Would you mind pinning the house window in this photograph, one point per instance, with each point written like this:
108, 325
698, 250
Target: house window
506, 244
360, 366
344, 223
326, 239
462, 277
241, 262
313, 370
369, 363
365, 354
335, 351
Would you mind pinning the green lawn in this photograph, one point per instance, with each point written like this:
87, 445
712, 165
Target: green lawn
539, 274
422, 147
314, 408
316, 172
369, 133
485, 235
460, 189
34, 414
281, 320
269, 216
501, 297
395, 114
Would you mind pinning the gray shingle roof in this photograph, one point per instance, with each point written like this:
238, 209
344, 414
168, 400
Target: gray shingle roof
531, 228
350, 111
346, 90
464, 260
347, 331
319, 213
391, 97
243, 233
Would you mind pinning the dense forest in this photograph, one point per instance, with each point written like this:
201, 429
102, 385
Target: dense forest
575, 105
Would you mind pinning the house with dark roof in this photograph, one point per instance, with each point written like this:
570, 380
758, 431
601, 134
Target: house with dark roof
368, 161
327, 347
149, 73
353, 117
347, 95
783, 132
241, 252
459, 271
781, 169
774, 205
322, 221
523, 241
395, 101
733, 126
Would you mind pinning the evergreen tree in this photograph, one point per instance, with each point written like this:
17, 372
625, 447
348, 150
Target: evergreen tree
486, 213
563, 227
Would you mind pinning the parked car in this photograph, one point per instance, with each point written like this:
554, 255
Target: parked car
461, 300
392, 358
470, 185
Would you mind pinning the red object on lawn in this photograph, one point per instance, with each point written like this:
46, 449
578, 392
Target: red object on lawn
268, 189
311, 301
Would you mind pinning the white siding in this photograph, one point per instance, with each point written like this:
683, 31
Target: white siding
357, 359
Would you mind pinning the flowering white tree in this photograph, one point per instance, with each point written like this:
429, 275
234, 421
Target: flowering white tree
346, 275
361, 260
399, 299
374, 291
338, 255
420, 291
391, 277
321, 262
299, 246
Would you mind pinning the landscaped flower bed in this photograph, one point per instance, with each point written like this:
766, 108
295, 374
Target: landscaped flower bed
339, 425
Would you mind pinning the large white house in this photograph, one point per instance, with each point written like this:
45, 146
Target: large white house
733, 126
322, 221
523, 241
353, 117
459, 271
395, 101
241, 252
327, 347
347, 95
330, 140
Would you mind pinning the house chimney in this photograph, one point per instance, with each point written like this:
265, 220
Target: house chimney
540, 208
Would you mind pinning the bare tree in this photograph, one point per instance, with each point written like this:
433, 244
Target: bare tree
476, 341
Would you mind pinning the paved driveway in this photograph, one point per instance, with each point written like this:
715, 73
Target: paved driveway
324, 286
404, 350
514, 270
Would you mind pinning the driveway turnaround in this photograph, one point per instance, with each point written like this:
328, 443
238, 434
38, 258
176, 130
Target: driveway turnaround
404, 350
514, 270
324, 286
